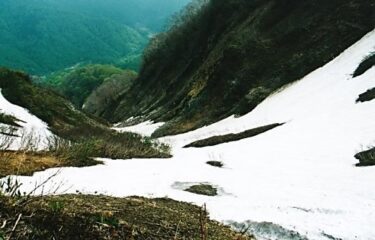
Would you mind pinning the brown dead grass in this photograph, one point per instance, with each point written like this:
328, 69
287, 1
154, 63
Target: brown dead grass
25, 163
77, 217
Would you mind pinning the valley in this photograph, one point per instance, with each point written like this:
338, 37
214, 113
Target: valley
239, 120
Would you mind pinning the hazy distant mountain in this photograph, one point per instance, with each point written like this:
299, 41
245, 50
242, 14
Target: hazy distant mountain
41, 36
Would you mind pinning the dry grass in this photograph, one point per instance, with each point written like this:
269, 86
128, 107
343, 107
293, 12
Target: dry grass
28, 159
99, 217
198, 87
24, 163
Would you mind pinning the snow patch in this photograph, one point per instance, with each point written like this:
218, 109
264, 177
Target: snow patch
144, 128
31, 126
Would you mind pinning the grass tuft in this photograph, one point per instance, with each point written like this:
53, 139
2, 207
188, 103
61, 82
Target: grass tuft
366, 158
215, 164
203, 189
215, 140
103, 218
9, 120
367, 96
367, 63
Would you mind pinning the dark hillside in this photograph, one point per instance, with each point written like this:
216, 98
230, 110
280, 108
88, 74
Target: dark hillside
67, 122
226, 57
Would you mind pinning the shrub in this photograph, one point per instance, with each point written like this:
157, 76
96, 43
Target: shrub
365, 65
215, 140
102, 100
203, 189
56, 206
366, 158
78, 83
9, 120
215, 164
367, 96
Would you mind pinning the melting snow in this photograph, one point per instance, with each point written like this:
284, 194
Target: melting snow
300, 176
31, 126
145, 128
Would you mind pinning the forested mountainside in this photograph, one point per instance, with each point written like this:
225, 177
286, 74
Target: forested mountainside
40, 37
79, 82
225, 57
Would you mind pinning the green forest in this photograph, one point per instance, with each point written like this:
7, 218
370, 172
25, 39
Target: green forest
41, 37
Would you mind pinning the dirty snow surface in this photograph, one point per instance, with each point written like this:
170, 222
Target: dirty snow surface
31, 128
145, 128
296, 181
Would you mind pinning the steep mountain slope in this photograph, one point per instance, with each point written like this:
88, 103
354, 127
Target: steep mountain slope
44, 36
297, 181
226, 57
99, 102
60, 115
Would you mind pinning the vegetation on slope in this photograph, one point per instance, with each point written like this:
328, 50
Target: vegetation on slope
366, 158
215, 164
203, 189
9, 120
99, 217
69, 123
102, 101
26, 163
367, 96
365, 65
225, 57
215, 140
78, 83
40, 37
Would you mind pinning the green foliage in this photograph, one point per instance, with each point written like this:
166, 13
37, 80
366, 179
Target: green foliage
41, 37
56, 206
108, 220
166, 46
46, 105
131, 62
78, 83
102, 101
